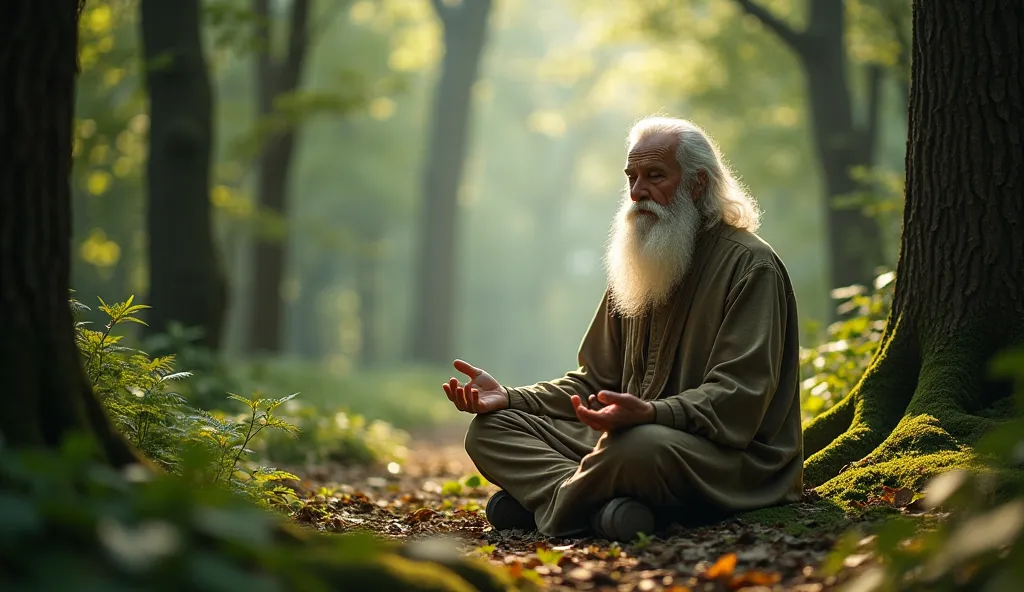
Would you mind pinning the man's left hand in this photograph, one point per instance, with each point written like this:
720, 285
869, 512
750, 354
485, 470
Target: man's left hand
621, 410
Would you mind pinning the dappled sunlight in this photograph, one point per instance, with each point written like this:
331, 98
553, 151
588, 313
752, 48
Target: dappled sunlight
333, 267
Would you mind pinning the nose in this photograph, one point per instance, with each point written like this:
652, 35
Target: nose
638, 192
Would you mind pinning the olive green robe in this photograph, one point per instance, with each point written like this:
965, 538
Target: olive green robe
720, 362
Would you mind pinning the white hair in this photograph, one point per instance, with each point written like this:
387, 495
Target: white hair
724, 198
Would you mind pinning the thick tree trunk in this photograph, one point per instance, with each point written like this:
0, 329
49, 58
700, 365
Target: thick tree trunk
187, 282
854, 240
960, 277
46, 396
274, 79
465, 28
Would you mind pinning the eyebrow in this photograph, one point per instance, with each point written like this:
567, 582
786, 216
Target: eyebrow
652, 166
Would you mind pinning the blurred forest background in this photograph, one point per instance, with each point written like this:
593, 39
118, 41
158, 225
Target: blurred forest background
393, 183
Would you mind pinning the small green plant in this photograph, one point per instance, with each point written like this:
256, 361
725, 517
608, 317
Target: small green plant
68, 523
134, 389
332, 435
832, 368
209, 378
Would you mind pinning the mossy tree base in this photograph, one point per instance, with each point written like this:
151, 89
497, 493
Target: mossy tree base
905, 422
926, 399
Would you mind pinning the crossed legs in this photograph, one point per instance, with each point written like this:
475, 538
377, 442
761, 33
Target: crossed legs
564, 471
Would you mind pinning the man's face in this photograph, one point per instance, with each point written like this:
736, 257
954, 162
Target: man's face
653, 172
655, 230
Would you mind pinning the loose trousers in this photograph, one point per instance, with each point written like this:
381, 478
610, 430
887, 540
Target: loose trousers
564, 471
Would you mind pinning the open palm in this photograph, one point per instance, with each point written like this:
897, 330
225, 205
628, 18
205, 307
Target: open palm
481, 394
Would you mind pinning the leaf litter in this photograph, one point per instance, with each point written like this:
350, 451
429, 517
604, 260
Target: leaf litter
438, 496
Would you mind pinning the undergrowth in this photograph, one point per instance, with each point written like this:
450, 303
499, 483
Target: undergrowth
136, 391
830, 369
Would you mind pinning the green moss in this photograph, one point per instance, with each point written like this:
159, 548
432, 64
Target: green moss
797, 519
860, 483
916, 435
823, 429
879, 400
853, 444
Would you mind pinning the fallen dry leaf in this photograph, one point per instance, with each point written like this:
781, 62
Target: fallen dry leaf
421, 515
755, 578
730, 555
722, 568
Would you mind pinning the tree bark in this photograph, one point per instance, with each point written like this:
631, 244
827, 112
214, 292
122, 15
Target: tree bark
273, 79
465, 28
46, 396
187, 282
854, 240
959, 296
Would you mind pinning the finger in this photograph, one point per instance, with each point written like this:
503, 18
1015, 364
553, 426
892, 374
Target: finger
591, 419
468, 369
474, 400
448, 391
611, 397
576, 401
592, 402
460, 397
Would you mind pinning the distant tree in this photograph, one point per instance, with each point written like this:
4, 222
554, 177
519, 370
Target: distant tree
187, 282
46, 392
465, 31
854, 240
960, 277
275, 79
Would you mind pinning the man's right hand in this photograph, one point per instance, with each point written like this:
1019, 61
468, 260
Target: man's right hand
482, 394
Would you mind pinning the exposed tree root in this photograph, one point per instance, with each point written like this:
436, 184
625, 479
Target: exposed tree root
825, 428
876, 405
910, 422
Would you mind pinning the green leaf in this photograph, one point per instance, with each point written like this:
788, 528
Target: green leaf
248, 403
133, 320
175, 376
451, 488
548, 556
474, 481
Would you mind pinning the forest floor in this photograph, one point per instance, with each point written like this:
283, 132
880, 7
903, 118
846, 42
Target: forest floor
433, 496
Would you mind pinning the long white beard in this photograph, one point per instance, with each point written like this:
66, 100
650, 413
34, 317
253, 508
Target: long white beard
646, 257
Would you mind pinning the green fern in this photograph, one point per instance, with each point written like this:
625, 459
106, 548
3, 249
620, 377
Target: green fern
136, 391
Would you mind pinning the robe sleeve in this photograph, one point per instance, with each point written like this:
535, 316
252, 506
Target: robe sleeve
600, 368
744, 367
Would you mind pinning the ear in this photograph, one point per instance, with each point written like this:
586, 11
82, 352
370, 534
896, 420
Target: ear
699, 183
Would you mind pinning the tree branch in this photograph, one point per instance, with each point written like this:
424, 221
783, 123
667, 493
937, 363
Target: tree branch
794, 39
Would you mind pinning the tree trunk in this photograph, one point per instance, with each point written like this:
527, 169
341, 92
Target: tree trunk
274, 79
465, 28
187, 282
46, 396
854, 240
960, 276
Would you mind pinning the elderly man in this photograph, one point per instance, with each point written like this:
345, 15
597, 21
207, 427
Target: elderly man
686, 395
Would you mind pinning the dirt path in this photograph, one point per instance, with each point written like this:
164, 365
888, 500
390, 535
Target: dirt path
432, 494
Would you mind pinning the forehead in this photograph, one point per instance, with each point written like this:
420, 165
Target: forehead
654, 149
